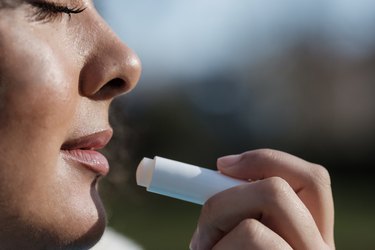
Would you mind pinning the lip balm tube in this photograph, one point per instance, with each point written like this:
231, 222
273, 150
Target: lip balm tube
181, 180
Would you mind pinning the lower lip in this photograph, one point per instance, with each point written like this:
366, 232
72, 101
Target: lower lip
91, 159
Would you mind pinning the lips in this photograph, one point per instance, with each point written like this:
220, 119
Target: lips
82, 150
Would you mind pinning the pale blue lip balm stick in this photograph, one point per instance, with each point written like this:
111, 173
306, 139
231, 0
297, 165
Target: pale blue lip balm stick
181, 180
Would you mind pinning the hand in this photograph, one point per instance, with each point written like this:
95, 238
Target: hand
287, 205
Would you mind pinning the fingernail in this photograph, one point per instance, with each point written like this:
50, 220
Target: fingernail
228, 161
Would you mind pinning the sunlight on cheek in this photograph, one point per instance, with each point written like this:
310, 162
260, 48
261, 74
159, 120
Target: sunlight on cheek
39, 69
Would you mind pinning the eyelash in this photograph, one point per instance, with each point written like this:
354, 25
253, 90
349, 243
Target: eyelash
49, 12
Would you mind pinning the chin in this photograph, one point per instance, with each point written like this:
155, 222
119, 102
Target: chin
76, 224
87, 238
85, 241
70, 229
92, 226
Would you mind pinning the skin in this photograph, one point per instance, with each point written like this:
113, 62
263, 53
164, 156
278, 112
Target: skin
57, 80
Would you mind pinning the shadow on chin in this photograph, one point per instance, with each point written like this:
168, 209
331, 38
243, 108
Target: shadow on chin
93, 235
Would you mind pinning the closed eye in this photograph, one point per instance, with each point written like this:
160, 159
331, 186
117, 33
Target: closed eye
46, 11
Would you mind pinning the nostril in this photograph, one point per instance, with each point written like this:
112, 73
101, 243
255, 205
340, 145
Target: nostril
116, 83
112, 88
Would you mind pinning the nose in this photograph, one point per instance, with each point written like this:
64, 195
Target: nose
111, 68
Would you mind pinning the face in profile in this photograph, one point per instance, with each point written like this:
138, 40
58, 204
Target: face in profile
60, 68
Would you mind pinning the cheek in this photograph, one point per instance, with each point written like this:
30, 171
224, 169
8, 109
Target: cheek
39, 106
38, 96
38, 86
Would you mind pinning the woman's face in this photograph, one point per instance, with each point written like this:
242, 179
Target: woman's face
60, 67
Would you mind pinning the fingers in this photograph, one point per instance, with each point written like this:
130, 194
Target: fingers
264, 163
271, 201
311, 182
251, 234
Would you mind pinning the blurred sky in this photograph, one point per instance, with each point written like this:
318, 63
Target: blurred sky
193, 38
291, 73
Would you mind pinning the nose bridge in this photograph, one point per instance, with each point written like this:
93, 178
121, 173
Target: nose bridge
111, 68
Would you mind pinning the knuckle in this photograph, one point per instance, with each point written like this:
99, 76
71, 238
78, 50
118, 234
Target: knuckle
321, 175
276, 184
275, 189
251, 229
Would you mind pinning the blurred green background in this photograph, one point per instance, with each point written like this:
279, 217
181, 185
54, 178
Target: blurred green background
223, 77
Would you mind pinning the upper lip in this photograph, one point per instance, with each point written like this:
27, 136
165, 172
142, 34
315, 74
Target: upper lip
92, 141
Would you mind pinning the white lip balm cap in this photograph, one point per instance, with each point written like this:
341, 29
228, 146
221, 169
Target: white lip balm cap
144, 172
182, 181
